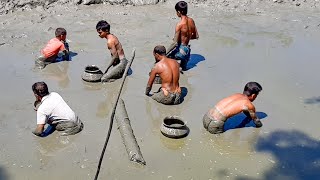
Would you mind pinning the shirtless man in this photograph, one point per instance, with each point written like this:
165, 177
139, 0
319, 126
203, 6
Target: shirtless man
185, 31
168, 70
215, 118
118, 60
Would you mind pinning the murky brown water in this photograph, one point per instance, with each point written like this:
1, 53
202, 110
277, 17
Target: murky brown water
276, 50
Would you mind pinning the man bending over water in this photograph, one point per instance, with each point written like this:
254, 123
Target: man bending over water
215, 118
52, 109
168, 70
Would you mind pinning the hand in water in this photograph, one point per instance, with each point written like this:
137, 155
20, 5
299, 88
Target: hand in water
258, 123
148, 89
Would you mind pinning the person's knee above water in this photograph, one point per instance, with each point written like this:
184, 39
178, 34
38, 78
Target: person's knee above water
215, 118
53, 110
50, 52
168, 70
184, 32
118, 61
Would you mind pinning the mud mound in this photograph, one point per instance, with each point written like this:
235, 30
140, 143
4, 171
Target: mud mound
7, 6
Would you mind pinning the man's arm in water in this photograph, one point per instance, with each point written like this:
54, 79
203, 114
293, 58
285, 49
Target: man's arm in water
151, 79
114, 54
39, 130
250, 112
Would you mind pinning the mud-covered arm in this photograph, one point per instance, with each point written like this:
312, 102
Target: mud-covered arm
65, 51
39, 130
250, 112
65, 55
114, 55
150, 81
175, 39
196, 31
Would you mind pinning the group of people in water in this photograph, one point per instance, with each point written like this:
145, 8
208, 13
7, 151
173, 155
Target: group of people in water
52, 109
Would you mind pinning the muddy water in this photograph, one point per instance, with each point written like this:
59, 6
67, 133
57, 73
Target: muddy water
277, 50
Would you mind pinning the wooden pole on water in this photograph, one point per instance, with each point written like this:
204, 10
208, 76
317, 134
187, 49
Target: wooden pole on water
113, 112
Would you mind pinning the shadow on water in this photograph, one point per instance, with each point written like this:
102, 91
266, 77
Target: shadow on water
71, 55
3, 174
296, 154
194, 60
184, 92
49, 130
241, 120
313, 100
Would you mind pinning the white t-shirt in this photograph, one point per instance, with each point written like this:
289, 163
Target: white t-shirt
54, 109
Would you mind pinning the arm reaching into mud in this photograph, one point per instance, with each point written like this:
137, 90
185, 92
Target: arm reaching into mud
65, 55
150, 81
39, 130
114, 55
175, 39
196, 31
250, 112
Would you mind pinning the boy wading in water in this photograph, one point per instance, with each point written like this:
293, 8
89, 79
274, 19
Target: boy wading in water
185, 31
118, 60
168, 70
49, 53
215, 118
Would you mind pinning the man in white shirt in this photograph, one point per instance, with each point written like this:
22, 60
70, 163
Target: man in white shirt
52, 109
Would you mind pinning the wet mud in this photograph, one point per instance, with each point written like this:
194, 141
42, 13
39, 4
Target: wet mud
275, 47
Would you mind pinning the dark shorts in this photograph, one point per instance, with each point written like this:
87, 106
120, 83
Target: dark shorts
69, 127
212, 125
171, 99
115, 72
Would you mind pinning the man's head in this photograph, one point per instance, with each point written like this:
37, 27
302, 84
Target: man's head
40, 89
181, 8
103, 28
252, 89
61, 34
158, 52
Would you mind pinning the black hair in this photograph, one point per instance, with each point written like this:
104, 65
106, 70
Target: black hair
160, 50
103, 25
40, 89
252, 88
182, 7
60, 31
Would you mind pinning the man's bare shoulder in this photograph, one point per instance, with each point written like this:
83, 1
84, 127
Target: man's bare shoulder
191, 19
179, 25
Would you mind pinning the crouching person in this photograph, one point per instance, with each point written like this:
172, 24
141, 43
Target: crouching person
214, 119
53, 110
168, 70
49, 54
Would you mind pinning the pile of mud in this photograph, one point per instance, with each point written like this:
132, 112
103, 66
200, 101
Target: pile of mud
7, 6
